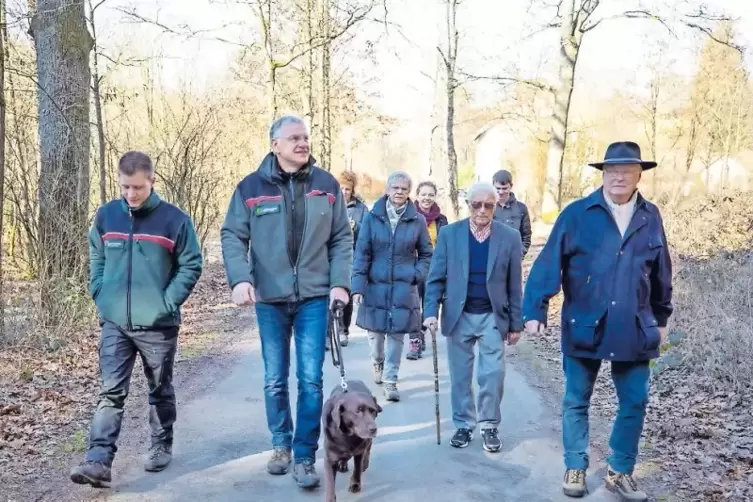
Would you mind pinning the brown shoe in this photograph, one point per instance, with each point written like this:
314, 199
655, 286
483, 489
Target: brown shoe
625, 486
574, 484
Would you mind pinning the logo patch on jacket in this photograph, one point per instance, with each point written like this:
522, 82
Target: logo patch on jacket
267, 209
114, 244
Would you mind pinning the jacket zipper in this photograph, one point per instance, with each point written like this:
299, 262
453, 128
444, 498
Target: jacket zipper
130, 272
291, 188
393, 235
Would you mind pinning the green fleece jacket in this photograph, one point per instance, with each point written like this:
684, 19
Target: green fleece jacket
144, 263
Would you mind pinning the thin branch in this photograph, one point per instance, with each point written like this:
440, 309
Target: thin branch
183, 31
509, 80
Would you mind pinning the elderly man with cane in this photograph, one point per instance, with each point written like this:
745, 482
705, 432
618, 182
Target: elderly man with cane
476, 275
608, 252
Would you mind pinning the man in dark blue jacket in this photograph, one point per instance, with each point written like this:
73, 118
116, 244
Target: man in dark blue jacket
608, 252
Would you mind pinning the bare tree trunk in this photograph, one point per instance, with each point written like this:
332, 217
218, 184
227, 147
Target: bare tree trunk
96, 81
570, 40
450, 63
326, 137
265, 17
62, 47
3, 18
310, 90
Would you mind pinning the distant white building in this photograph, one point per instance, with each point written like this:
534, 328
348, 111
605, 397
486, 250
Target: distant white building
501, 145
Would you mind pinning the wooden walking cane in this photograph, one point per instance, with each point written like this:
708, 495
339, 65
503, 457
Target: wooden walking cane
436, 379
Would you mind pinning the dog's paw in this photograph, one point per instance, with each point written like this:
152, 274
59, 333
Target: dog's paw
342, 466
354, 487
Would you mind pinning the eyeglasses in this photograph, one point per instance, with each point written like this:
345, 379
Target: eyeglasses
476, 205
399, 189
296, 138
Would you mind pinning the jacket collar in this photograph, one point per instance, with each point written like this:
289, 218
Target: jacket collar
596, 198
270, 169
147, 207
380, 209
510, 200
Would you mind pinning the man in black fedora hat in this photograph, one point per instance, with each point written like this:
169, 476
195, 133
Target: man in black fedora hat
609, 254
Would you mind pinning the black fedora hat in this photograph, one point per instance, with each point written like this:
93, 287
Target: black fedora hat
623, 152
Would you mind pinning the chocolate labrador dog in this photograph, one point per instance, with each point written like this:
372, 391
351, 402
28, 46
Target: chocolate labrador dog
349, 420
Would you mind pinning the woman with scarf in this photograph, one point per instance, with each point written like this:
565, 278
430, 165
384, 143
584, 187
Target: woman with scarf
391, 259
356, 211
426, 195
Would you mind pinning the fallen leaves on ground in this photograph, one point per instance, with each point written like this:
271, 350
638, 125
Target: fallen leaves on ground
47, 398
699, 435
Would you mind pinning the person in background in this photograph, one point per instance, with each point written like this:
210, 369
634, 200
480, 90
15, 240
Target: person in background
476, 275
288, 248
356, 211
426, 194
145, 261
608, 253
391, 259
510, 210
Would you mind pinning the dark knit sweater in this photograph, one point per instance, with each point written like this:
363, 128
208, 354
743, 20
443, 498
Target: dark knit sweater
477, 301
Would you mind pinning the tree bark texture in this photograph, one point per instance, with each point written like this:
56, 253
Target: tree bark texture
63, 44
326, 134
450, 61
3, 20
570, 41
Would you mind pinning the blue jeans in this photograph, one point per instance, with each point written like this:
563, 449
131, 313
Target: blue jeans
631, 381
307, 319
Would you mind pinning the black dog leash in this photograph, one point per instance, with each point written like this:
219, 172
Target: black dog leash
336, 314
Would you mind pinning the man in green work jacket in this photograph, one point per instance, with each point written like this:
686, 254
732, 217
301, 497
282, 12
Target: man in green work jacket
144, 261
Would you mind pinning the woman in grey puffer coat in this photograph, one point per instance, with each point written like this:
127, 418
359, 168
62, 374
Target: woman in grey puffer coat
392, 257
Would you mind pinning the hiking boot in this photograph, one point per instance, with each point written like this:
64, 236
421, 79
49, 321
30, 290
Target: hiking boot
305, 474
625, 486
390, 392
344, 339
414, 350
280, 461
158, 458
97, 474
462, 438
492, 443
574, 484
377, 369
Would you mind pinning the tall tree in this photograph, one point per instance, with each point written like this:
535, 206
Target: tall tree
62, 44
3, 20
575, 19
449, 55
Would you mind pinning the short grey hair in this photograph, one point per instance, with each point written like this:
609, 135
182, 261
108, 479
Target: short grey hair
277, 125
399, 175
480, 189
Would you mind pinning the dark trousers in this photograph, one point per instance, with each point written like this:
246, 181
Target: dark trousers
420, 335
118, 349
348, 316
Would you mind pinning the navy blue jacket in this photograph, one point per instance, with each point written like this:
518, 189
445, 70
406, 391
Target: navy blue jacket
387, 269
617, 291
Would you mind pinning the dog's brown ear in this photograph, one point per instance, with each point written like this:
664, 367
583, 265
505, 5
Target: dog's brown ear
337, 411
378, 408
